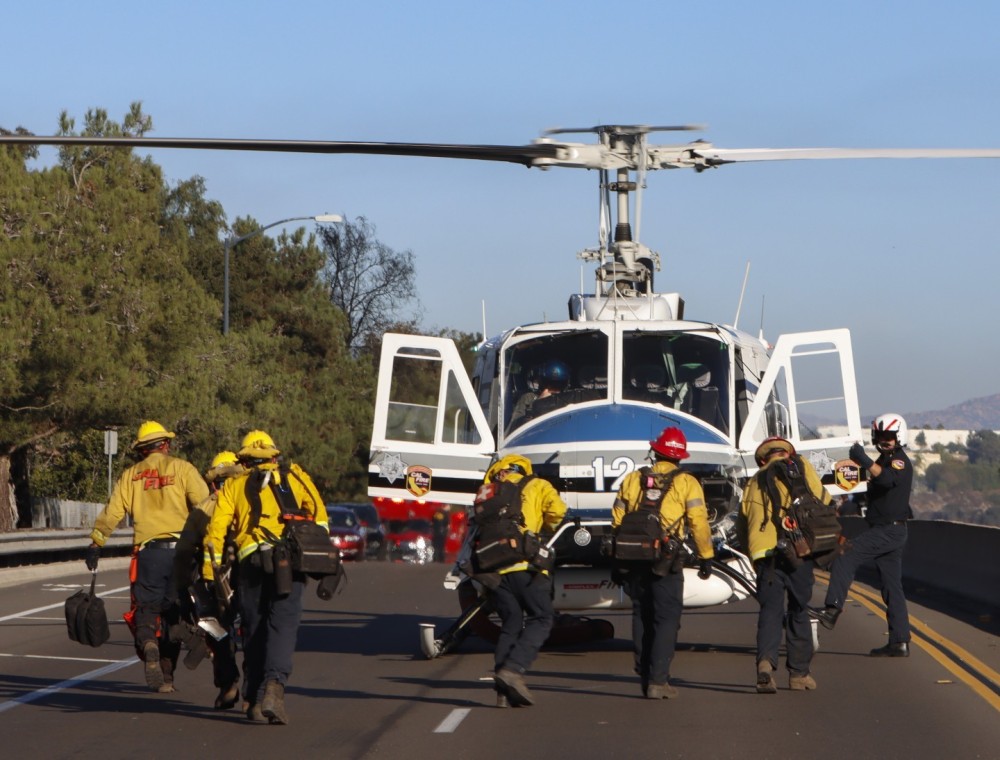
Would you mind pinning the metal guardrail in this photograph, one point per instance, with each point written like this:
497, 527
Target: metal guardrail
41, 547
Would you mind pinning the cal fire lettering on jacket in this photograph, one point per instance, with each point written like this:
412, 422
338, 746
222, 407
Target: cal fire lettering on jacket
153, 479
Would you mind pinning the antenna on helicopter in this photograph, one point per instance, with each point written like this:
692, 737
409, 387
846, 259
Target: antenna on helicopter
739, 305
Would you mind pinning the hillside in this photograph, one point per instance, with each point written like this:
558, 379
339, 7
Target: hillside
975, 414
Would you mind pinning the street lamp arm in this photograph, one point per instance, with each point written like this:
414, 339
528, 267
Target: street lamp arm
232, 242
236, 241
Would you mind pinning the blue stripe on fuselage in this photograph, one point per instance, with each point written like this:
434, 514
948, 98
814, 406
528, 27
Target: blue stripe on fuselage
609, 422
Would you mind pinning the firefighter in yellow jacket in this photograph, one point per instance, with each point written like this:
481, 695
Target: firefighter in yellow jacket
188, 562
524, 597
658, 593
158, 493
270, 601
780, 572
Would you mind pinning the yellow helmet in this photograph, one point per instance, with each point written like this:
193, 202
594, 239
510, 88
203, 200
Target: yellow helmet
225, 465
514, 462
258, 445
150, 432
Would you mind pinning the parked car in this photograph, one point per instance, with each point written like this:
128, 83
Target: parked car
410, 540
374, 530
346, 532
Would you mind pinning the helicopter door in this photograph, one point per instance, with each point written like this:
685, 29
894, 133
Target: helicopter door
430, 439
809, 383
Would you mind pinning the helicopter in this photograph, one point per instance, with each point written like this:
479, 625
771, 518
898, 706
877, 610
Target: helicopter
632, 363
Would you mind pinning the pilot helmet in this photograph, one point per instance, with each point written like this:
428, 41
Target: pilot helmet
888, 431
553, 374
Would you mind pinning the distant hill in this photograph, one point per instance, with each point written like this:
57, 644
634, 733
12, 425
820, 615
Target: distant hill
975, 414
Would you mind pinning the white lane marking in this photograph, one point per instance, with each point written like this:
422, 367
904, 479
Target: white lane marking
39, 617
68, 684
449, 724
54, 657
17, 615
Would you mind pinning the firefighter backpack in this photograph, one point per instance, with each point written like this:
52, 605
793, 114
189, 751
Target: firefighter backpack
813, 526
497, 512
640, 535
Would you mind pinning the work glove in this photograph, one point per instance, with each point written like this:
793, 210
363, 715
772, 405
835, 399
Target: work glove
705, 569
92, 556
857, 454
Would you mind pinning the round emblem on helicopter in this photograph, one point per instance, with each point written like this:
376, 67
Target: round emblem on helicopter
582, 537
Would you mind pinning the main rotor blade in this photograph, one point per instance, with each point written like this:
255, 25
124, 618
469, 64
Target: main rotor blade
518, 154
712, 156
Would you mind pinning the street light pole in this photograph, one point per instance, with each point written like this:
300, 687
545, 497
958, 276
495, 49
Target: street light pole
232, 242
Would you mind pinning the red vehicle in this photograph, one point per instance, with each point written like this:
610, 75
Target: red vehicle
347, 533
422, 531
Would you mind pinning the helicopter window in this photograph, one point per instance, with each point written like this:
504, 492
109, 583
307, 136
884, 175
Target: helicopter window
548, 373
683, 371
415, 404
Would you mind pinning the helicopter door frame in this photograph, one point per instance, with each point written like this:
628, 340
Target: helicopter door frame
787, 348
414, 451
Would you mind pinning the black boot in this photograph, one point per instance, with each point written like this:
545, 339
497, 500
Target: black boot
826, 616
898, 649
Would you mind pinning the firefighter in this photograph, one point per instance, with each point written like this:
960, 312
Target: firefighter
157, 493
523, 597
780, 571
888, 510
658, 596
188, 562
270, 595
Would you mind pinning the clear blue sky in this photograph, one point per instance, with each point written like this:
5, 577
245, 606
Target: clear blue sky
904, 253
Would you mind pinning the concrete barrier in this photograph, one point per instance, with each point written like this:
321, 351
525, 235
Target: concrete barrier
955, 557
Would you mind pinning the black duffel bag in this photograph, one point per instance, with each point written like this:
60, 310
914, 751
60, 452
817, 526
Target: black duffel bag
86, 618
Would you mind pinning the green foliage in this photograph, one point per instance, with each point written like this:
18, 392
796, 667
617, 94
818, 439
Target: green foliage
110, 314
983, 447
954, 475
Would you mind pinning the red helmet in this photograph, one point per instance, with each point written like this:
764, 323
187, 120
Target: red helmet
671, 444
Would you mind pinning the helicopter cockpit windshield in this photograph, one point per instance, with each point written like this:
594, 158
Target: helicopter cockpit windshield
550, 372
681, 370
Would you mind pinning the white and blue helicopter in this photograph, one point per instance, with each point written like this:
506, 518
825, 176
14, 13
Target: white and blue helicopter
629, 362
625, 364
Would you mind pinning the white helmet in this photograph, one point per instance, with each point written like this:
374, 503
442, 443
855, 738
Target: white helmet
890, 423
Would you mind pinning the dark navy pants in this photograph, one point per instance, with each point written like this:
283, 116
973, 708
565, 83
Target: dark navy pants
524, 604
776, 580
156, 608
270, 628
657, 604
882, 544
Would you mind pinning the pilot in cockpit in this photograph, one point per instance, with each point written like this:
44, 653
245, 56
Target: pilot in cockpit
691, 378
552, 378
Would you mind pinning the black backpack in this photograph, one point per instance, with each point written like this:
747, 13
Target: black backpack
496, 510
810, 525
86, 618
310, 549
640, 536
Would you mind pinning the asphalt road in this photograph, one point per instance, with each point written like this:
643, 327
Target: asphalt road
361, 688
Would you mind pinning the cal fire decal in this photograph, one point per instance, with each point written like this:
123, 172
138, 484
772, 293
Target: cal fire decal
418, 479
847, 473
